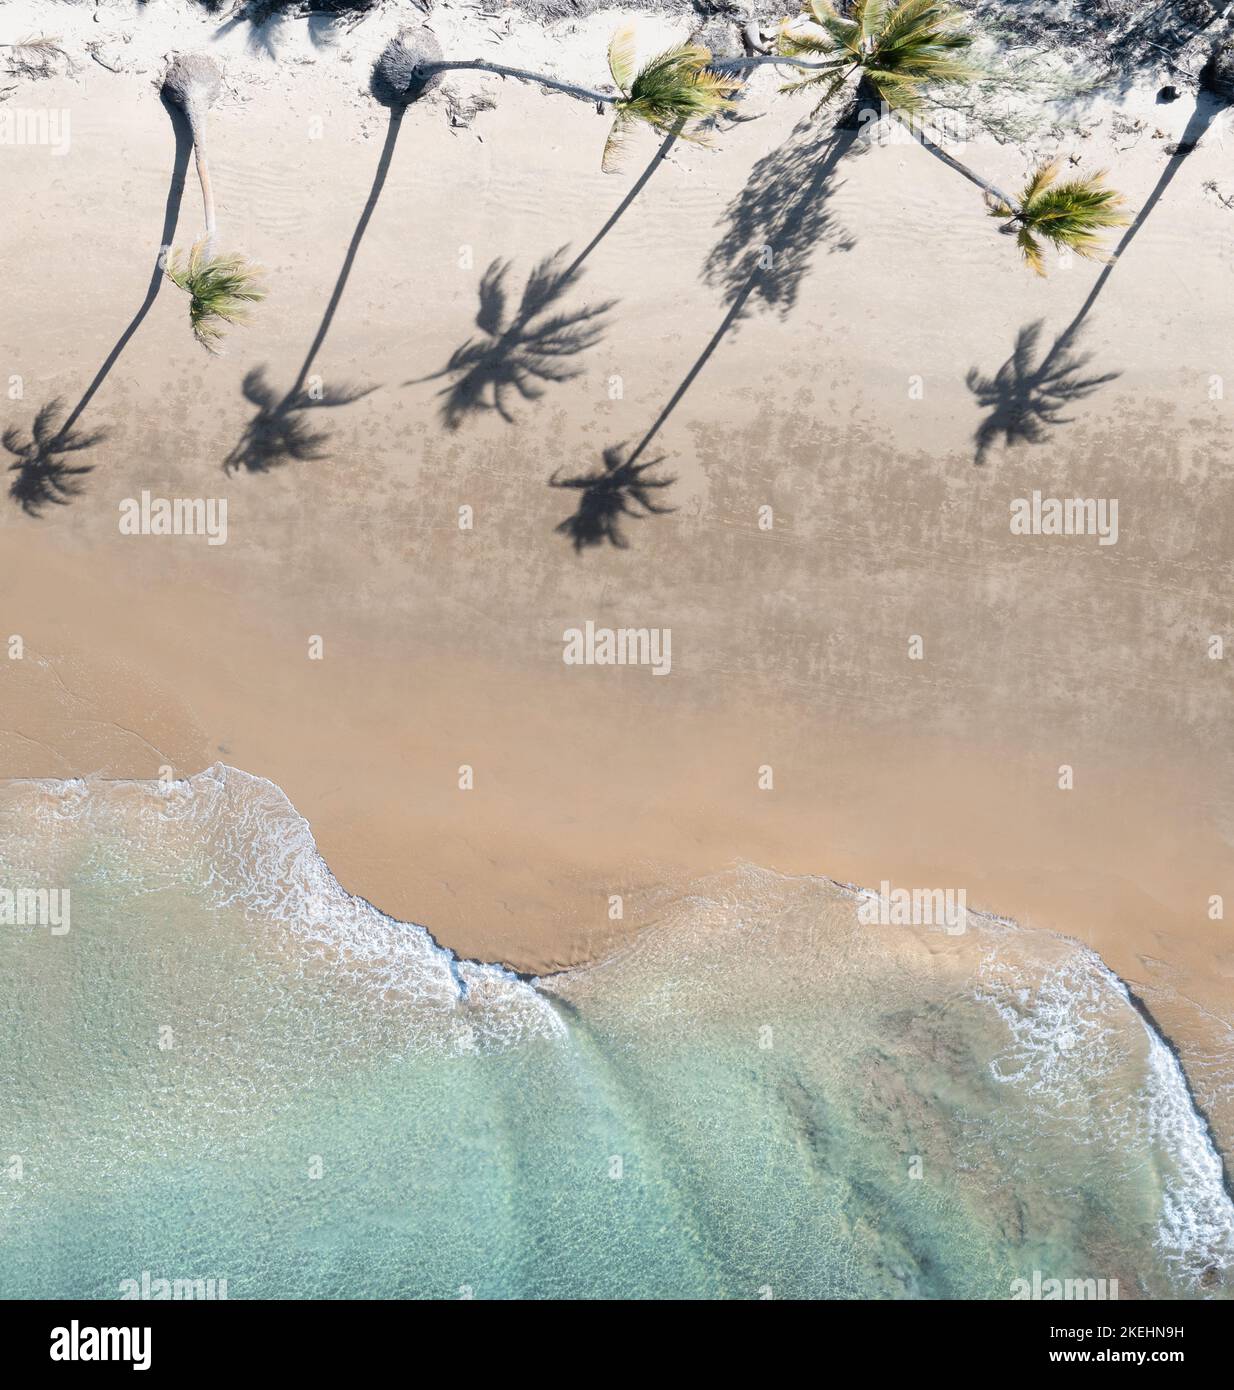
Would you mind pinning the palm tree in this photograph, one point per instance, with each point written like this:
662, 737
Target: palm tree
672, 93
674, 90
898, 51
1068, 215
220, 287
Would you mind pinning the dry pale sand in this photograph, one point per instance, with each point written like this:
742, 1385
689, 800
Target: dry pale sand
790, 647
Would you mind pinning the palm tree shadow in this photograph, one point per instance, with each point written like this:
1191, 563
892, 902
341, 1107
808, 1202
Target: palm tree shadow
619, 490
1025, 398
278, 433
266, 20
759, 225
762, 230
44, 475
1024, 402
521, 352
774, 275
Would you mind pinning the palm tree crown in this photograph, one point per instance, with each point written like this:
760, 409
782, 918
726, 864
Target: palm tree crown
898, 49
671, 91
1068, 215
220, 288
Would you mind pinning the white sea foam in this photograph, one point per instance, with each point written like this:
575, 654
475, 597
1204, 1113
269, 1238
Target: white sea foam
1075, 1050
1078, 1045
236, 839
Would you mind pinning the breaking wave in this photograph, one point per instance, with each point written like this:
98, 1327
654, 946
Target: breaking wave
230, 1053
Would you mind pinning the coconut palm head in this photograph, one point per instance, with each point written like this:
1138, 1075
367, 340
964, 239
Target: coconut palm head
194, 81
220, 289
900, 50
1070, 215
671, 93
398, 77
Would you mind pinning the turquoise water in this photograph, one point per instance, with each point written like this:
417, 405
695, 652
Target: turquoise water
228, 1069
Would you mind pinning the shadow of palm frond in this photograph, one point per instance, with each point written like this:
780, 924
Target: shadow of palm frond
618, 490
280, 433
1025, 401
1026, 397
268, 19
782, 216
44, 474
747, 266
523, 352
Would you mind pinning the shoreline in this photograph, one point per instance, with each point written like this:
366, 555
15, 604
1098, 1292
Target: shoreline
985, 919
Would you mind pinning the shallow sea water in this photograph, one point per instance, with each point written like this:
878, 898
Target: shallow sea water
230, 1069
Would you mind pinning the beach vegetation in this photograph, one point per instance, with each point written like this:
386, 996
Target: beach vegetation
1070, 215
220, 286
676, 92
898, 53
37, 56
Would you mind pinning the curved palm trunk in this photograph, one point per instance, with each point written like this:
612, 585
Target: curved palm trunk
523, 75
936, 150
759, 60
951, 162
203, 177
193, 82
588, 94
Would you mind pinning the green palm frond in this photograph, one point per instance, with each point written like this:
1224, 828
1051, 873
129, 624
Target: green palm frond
845, 33
615, 146
915, 21
900, 49
1030, 248
871, 17
813, 43
900, 92
1042, 176
1069, 215
831, 81
672, 92
803, 43
621, 57
835, 43
220, 289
